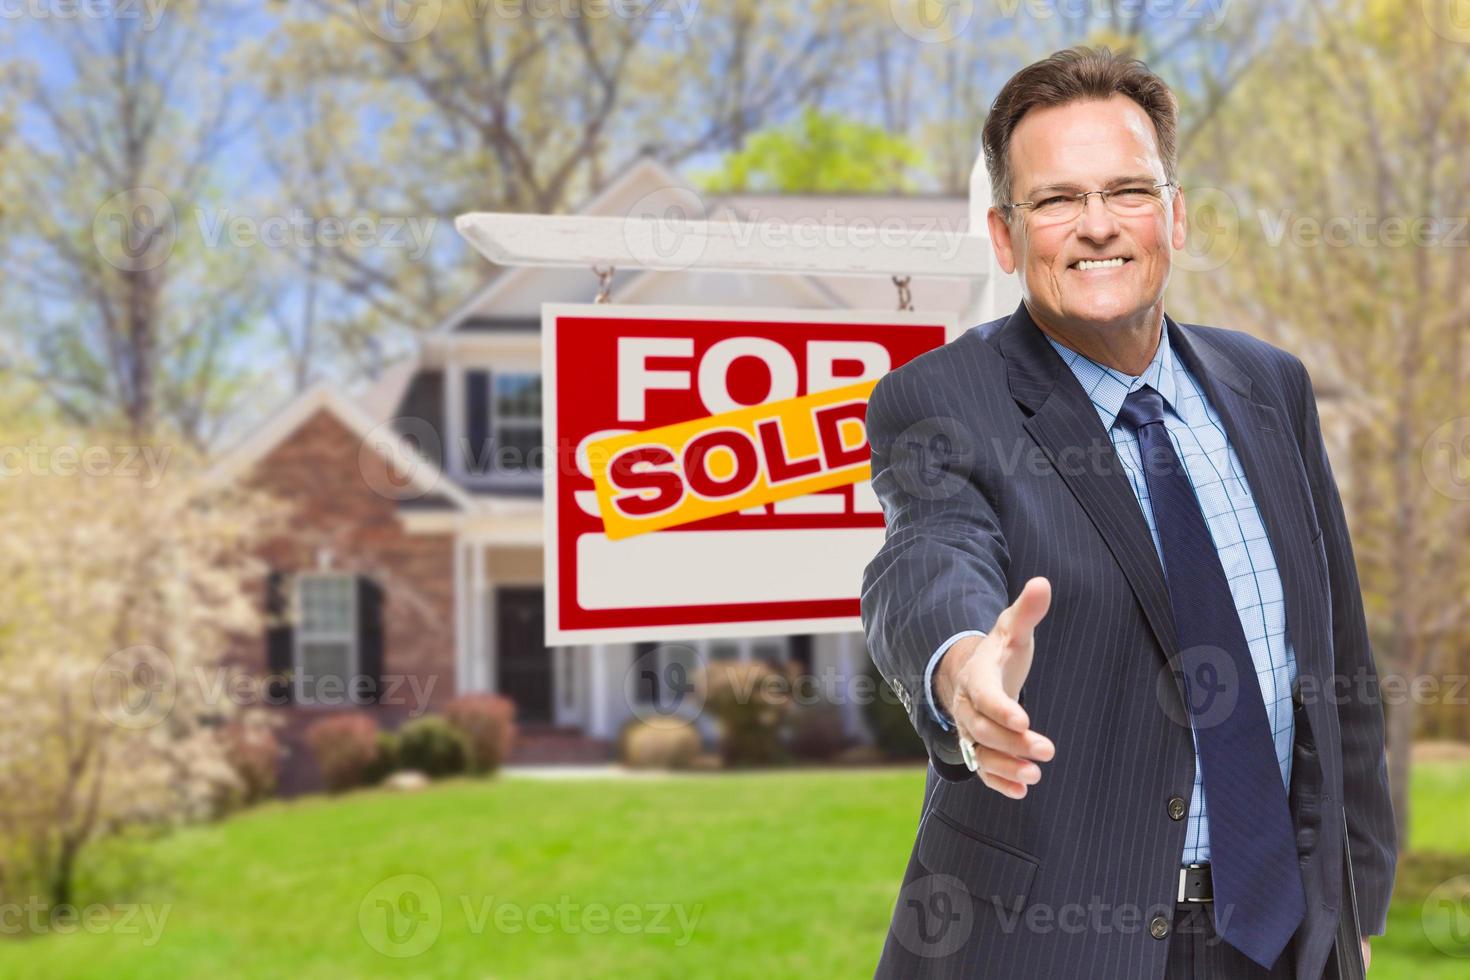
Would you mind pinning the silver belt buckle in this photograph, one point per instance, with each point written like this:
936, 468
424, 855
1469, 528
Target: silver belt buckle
1183, 876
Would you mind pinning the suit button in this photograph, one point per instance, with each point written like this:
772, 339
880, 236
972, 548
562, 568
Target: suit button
1159, 927
1177, 808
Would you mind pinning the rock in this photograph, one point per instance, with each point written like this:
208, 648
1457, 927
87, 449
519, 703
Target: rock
406, 781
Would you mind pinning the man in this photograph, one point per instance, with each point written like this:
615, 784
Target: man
1117, 595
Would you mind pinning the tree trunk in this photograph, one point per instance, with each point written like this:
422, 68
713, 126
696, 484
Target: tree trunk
1400, 742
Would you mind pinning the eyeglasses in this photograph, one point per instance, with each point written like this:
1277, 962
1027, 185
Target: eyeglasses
1128, 201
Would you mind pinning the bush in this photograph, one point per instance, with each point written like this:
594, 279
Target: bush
893, 733
749, 699
254, 753
814, 732
658, 746
345, 748
487, 722
433, 746
386, 761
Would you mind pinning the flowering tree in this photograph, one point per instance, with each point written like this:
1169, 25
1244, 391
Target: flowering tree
125, 573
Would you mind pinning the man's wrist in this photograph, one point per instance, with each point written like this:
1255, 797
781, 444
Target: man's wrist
944, 667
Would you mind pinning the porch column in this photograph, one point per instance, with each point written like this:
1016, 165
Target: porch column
598, 725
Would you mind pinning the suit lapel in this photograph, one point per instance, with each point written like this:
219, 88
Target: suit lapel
1271, 459
1066, 427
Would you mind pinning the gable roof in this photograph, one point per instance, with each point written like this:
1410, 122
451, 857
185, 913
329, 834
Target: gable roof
423, 474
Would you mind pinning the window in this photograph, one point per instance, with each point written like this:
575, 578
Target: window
516, 423
502, 426
326, 638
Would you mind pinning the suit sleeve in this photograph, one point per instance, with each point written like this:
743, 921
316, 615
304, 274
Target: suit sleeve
1365, 788
942, 567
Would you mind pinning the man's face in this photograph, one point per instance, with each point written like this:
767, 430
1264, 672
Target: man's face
1086, 146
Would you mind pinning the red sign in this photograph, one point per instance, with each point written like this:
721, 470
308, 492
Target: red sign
791, 565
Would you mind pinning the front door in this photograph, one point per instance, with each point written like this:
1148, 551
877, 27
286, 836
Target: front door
524, 671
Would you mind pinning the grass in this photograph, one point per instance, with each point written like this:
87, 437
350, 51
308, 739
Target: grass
788, 873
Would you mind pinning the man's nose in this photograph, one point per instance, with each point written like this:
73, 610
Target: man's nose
1096, 223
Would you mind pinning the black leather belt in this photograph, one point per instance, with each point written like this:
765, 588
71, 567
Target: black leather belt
1195, 884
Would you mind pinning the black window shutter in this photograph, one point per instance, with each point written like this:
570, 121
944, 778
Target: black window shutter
645, 684
479, 452
369, 640
279, 641
801, 651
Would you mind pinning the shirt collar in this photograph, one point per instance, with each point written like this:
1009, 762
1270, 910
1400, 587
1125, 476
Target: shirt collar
1107, 387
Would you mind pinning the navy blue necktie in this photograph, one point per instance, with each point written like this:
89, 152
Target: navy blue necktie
1253, 860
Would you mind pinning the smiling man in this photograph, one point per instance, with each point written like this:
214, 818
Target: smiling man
1115, 592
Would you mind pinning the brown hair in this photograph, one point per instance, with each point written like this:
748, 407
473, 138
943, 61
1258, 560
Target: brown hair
1075, 75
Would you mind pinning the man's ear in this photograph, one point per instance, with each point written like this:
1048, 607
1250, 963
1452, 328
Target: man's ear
1000, 240
1180, 231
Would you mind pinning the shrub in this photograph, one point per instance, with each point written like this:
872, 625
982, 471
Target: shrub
749, 699
487, 722
385, 762
433, 746
814, 732
254, 753
893, 733
345, 748
659, 746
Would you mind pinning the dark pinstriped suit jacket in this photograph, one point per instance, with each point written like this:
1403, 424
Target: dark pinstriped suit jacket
992, 467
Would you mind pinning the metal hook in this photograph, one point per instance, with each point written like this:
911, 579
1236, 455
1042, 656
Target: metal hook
604, 283
905, 295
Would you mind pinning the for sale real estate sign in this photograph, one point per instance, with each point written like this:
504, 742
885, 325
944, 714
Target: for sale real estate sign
711, 477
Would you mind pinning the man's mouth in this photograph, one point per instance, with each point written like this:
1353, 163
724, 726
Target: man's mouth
1113, 262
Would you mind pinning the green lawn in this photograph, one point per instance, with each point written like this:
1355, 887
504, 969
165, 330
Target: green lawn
789, 873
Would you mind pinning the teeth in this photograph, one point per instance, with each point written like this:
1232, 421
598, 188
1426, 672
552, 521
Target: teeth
1100, 263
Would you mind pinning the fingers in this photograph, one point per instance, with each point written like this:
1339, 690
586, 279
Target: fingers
1007, 787
1007, 766
1023, 745
1005, 760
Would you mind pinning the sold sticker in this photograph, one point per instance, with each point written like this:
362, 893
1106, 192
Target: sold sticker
719, 464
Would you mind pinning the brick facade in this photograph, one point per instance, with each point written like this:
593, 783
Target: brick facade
340, 523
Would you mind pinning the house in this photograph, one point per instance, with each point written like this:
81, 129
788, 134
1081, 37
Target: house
413, 570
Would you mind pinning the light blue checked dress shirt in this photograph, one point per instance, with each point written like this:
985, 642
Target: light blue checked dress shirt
1235, 525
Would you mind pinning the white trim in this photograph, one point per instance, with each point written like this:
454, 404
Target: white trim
581, 240
482, 605
423, 475
461, 627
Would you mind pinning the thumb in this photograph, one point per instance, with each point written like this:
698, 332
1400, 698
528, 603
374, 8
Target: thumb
1030, 607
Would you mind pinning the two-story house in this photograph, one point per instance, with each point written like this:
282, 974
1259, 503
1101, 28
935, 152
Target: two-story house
414, 564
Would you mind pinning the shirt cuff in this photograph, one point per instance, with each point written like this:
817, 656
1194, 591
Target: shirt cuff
929, 697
